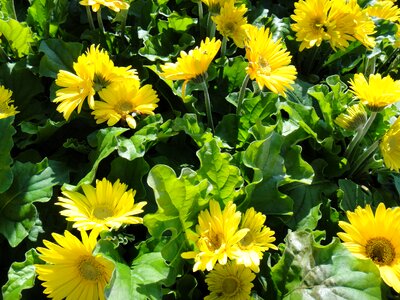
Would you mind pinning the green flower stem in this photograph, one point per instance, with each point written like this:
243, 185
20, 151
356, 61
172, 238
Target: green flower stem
90, 19
360, 134
363, 158
200, 6
223, 51
124, 14
100, 21
241, 94
4, 55
208, 105
210, 26
13, 10
369, 65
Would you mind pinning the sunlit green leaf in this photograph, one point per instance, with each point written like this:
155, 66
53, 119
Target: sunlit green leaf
308, 270
18, 35
21, 275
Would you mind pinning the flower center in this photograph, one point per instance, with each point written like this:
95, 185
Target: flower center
380, 250
318, 25
214, 242
99, 82
230, 286
265, 66
102, 212
247, 240
89, 268
125, 107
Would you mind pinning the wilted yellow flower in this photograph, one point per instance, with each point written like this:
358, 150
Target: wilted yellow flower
7, 109
269, 62
106, 206
192, 65
390, 146
230, 281
94, 71
124, 101
216, 236
71, 270
311, 22
258, 239
376, 93
384, 10
115, 5
353, 118
230, 20
375, 237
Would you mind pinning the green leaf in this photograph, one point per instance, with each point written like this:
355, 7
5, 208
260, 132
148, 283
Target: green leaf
32, 183
106, 142
37, 133
269, 173
58, 55
149, 268
308, 270
6, 8
179, 200
21, 276
120, 286
216, 168
6, 144
18, 35
180, 23
352, 195
192, 127
235, 71
165, 45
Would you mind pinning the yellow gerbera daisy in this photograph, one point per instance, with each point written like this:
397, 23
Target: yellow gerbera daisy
375, 237
124, 101
376, 93
192, 65
71, 270
390, 146
115, 5
363, 25
258, 239
106, 206
230, 281
94, 71
353, 118
384, 10
311, 22
216, 236
7, 109
229, 22
268, 61
214, 6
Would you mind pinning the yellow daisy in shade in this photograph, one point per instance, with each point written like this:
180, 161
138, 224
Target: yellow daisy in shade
258, 239
353, 118
71, 270
230, 281
192, 65
214, 6
269, 63
229, 22
397, 37
7, 109
311, 22
375, 237
106, 206
216, 236
94, 71
384, 10
115, 5
376, 93
124, 101
390, 146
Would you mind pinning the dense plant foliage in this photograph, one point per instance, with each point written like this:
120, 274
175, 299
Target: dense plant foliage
127, 128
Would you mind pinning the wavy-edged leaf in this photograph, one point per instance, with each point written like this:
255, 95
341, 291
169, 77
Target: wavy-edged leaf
18, 35
308, 270
6, 144
32, 183
58, 55
21, 276
269, 173
216, 168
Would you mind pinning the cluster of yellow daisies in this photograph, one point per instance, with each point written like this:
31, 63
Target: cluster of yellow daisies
227, 244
